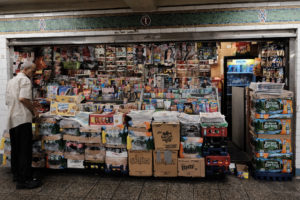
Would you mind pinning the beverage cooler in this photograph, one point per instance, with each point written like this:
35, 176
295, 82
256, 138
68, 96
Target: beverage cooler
238, 72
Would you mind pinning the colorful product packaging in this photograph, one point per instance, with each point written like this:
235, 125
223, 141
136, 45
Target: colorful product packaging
191, 147
275, 165
263, 145
273, 108
272, 126
63, 109
139, 139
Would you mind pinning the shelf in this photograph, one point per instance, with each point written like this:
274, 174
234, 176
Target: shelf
240, 73
238, 85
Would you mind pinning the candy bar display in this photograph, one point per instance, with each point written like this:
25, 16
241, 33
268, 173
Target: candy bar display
274, 61
270, 130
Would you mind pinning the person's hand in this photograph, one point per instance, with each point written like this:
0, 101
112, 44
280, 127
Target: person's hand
36, 113
36, 104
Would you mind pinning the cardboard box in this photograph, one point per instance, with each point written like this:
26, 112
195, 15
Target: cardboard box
226, 45
140, 163
270, 136
73, 138
191, 167
69, 99
166, 135
95, 154
73, 156
116, 160
75, 164
52, 137
165, 163
95, 133
63, 109
242, 171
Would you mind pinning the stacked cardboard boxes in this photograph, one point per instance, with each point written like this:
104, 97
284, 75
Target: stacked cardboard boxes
190, 162
166, 133
140, 143
270, 130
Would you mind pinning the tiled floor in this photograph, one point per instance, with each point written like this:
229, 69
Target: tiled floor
76, 185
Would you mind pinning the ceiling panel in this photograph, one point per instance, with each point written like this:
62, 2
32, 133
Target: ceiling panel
29, 6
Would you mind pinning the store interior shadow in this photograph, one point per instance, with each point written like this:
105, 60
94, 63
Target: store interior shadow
237, 155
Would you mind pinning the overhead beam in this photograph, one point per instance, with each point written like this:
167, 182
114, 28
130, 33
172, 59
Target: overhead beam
141, 5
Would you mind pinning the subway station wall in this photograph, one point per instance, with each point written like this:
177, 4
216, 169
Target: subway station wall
193, 18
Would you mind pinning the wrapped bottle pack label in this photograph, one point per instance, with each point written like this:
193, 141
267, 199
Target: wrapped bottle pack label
114, 136
273, 165
139, 139
275, 107
272, 126
272, 145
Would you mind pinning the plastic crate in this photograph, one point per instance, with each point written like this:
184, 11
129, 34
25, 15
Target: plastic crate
213, 131
217, 160
214, 151
110, 168
215, 142
269, 176
216, 170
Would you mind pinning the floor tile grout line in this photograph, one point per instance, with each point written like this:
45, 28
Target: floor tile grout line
67, 188
193, 192
245, 191
96, 183
220, 193
167, 191
142, 189
247, 194
116, 189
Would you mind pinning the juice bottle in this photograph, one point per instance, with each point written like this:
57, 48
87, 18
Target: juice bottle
287, 128
289, 107
285, 107
284, 146
287, 147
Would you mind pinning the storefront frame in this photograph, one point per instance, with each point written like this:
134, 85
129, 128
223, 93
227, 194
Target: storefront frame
228, 32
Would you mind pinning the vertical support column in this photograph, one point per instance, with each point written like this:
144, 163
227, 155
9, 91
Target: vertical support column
297, 98
4, 77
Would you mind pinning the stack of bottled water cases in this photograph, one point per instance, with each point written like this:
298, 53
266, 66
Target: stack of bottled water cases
270, 129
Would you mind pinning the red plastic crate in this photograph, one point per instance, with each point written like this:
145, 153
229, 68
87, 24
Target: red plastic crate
217, 160
214, 132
